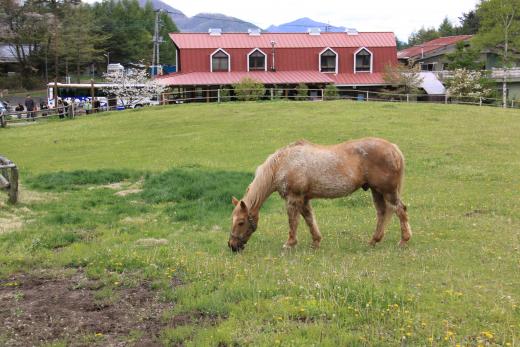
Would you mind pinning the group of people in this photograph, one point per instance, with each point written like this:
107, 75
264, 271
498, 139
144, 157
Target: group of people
31, 108
65, 109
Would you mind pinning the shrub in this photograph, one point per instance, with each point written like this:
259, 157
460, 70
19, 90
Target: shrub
331, 92
249, 89
302, 91
225, 93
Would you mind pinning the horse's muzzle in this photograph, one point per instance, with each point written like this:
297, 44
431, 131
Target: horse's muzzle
235, 246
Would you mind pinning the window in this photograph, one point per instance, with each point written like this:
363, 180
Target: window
220, 61
256, 60
363, 61
328, 61
427, 66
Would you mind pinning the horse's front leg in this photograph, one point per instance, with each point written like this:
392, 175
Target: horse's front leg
294, 207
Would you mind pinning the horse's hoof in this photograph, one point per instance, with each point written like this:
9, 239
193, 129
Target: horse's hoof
372, 243
403, 244
315, 245
289, 245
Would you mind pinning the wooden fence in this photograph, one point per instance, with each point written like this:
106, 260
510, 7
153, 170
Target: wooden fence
9, 179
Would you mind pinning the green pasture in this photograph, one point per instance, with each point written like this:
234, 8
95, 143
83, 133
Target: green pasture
457, 282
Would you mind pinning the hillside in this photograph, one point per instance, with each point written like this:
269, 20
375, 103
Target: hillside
121, 234
202, 21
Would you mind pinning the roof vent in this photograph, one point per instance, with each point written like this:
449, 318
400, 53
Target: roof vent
314, 31
352, 32
254, 32
215, 32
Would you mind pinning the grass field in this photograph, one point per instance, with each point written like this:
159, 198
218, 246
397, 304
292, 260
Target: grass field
123, 225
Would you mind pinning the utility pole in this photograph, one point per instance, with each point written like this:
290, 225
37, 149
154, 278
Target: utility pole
157, 40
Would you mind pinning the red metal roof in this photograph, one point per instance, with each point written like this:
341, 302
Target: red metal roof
431, 46
267, 77
283, 40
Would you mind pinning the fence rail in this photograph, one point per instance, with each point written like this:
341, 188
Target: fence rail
9, 179
272, 94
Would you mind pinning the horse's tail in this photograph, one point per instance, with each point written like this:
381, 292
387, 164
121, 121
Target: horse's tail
400, 168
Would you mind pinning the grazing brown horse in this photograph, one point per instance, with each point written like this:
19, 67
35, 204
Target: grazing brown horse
303, 171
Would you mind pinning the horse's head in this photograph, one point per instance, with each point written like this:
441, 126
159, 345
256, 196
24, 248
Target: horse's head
243, 225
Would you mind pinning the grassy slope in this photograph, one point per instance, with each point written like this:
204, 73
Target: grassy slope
458, 282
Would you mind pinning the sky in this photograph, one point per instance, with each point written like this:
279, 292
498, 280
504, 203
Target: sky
400, 16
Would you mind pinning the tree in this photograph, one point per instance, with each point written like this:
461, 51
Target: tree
500, 28
26, 30
468, 83
446, 28
81, 42
406, 79
131, 30
469, 23
132, 86
464, 57
423, 35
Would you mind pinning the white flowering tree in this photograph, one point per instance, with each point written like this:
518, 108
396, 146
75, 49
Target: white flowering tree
467, 83
132, 87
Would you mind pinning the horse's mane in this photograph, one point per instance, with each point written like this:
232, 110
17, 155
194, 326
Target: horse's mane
263, 183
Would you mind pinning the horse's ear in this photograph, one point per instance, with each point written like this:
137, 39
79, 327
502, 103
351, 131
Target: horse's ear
243, 205
234, 201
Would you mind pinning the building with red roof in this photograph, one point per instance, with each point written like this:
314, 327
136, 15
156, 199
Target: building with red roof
430, 55
215, 59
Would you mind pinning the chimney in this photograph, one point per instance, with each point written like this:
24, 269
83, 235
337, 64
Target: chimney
314, 31
254, 32
215, 32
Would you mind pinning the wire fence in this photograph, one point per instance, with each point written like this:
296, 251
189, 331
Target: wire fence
273, 94
194, 95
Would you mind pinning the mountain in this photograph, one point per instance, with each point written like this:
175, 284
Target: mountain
201, 22
301, 25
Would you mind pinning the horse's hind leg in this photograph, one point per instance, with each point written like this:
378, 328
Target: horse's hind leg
384, 213
308, 215
400, 209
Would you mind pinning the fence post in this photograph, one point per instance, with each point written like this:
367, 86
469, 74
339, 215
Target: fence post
218, 95
513, 103
446, 99
367, 95
272, 94
407, 97
322, 96
480, 101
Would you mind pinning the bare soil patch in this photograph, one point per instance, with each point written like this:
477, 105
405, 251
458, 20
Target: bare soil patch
10, 223
37, 310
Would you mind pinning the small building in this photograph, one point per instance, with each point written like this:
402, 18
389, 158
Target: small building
209, 61
431, 55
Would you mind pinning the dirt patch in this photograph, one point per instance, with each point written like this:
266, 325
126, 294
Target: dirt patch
37, 310
128, 192
151, 242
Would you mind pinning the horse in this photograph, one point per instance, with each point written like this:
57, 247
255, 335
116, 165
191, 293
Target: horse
303, 171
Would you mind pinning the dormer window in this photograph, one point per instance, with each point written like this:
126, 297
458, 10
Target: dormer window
256, 60
363, 60
220, 61
328, 61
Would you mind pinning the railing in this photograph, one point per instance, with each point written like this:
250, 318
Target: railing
495, 73
272, 94
9, 179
